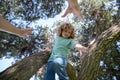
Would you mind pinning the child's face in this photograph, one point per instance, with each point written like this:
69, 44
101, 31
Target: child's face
66, 33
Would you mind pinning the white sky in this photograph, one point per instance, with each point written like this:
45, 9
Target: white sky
4, 63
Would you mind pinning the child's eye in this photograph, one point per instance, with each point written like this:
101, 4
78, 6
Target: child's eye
68, 31
65, 30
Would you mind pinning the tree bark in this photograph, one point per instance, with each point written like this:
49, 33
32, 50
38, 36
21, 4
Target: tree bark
27, 67
90, 66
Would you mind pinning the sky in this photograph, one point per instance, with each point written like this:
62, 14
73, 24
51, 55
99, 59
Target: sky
5, 63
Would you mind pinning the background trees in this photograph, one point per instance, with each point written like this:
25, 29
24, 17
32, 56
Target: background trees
100, 16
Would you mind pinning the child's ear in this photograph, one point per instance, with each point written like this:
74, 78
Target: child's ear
59, 31
72, 35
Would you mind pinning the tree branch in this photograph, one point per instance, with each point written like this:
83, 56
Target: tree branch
25, 68
90, 63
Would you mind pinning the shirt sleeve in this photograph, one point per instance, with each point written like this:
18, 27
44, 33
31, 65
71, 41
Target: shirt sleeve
72, 44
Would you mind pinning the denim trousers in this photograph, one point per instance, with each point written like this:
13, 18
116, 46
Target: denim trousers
58, 66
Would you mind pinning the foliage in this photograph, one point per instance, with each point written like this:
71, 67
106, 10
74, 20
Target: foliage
110, 65
30, 9
99, 16
15, 46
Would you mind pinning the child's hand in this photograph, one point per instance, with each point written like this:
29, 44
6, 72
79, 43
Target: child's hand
47, 50
26, 32
83, 50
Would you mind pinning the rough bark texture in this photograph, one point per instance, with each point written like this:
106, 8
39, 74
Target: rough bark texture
72, 72
90, 66
24, 69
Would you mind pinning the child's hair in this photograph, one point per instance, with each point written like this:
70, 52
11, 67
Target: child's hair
66, 26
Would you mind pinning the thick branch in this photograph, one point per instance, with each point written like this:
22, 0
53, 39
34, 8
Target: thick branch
90, 65
24, 69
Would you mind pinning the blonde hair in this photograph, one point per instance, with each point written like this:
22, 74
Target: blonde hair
66, 26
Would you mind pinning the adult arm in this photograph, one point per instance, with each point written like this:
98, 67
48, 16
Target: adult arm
9, 28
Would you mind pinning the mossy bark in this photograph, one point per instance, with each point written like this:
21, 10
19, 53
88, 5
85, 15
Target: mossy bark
24, 69
90, 67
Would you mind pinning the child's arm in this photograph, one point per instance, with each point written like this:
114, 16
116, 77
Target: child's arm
81, 48
7, 27
47, 50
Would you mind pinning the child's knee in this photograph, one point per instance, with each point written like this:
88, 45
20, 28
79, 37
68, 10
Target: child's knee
58, 61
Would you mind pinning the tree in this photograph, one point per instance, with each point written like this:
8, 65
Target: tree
89, 69
24, 69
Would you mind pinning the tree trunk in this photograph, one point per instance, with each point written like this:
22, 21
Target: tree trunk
27, 67
90, 66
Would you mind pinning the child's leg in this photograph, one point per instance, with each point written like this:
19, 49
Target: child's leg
60, 68
50, 73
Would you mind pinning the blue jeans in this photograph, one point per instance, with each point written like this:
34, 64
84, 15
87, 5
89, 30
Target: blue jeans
57, 66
